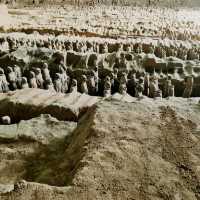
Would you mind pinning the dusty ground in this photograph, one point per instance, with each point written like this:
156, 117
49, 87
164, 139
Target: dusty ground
19, 143
121, 149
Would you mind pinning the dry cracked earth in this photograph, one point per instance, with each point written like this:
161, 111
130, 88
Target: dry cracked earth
116, 148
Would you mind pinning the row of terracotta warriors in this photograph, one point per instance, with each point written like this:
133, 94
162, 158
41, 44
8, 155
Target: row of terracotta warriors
160, 50
63, 82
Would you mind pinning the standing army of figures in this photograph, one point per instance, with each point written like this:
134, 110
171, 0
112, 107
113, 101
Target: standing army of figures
159, 49
135, 84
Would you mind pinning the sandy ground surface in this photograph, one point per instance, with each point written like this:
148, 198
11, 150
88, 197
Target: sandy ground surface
122, 148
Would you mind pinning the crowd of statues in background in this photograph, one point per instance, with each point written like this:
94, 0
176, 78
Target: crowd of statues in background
135, 84
159, 50
111, 21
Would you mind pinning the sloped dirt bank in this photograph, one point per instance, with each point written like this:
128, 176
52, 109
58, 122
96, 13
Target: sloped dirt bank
139, 150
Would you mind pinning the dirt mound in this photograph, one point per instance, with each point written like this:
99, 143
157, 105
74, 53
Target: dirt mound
28, 103
141, 150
